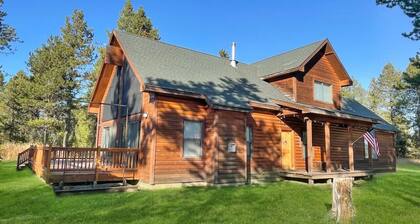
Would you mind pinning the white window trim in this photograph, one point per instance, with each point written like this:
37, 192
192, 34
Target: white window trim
201, 140
323, 85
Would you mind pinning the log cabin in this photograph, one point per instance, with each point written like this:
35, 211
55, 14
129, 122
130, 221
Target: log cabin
198, 118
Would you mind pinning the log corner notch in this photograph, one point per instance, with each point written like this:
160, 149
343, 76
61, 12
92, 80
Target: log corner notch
114, 55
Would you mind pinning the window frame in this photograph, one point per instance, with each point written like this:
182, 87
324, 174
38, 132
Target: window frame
323, 84
201, 140
366, 148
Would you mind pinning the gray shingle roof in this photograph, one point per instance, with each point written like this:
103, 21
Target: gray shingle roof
286, 61
353, 107
176, 68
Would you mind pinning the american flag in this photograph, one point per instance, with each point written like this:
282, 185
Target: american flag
373, 142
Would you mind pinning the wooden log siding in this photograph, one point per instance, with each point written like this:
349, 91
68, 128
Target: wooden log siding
324, 72
231, 166
170, 166
267, 130
147, 138
339, 147
387, 160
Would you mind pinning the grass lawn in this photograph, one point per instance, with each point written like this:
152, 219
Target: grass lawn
388, 198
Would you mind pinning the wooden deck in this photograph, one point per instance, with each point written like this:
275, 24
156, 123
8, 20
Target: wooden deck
57, 165
315, 176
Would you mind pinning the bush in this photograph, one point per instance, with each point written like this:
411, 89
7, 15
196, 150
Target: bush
10, 151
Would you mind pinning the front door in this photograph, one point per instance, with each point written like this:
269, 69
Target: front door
286, 149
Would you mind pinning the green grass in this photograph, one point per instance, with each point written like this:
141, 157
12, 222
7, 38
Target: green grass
388, 198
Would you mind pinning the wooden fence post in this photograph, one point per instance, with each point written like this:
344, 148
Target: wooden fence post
342, 203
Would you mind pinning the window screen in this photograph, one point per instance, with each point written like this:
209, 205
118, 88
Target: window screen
133, 134
192, 139
323, 92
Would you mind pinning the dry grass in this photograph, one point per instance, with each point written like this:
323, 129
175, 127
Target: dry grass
9, 151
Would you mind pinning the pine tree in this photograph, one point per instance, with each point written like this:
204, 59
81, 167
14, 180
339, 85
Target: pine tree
411, 86
7, 33
78, 39
356, 92
15, 108
388, 101
223, 54
136, 22
59, 69
412, 9
1, 79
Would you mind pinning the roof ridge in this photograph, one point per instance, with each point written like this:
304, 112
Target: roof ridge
176, 46
288, 51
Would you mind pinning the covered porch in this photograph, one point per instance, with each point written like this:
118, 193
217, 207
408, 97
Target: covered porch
331, 143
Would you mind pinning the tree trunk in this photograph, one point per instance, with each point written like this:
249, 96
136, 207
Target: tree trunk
342, 204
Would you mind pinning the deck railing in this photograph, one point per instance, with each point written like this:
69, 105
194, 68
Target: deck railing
65, 164
24, 157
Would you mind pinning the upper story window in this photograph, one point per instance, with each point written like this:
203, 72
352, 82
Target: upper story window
323, 92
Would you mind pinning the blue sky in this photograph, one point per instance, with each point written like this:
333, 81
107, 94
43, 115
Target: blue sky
364, 35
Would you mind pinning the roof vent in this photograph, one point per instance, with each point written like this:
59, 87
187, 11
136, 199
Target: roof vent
233, 61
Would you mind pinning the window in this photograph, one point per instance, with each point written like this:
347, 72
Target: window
366, 149
366, 144
248, 133
105, 137
303, 142
133, 134
323, 92
192, 139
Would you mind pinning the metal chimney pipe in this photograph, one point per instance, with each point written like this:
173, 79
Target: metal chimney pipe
233, 61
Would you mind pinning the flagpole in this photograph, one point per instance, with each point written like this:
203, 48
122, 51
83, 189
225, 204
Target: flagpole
357, 139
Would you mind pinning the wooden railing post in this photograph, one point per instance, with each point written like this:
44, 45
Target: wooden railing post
97, 163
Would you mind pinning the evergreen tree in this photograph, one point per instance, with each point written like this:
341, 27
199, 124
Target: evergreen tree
7, 33
1, 79
411, 86
412, 9
356, 92
223, 54
59, 70
136, 22
15, 108
388, 100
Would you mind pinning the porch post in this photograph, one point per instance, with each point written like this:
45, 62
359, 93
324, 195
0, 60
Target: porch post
309, 143
327, 146
351, 156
